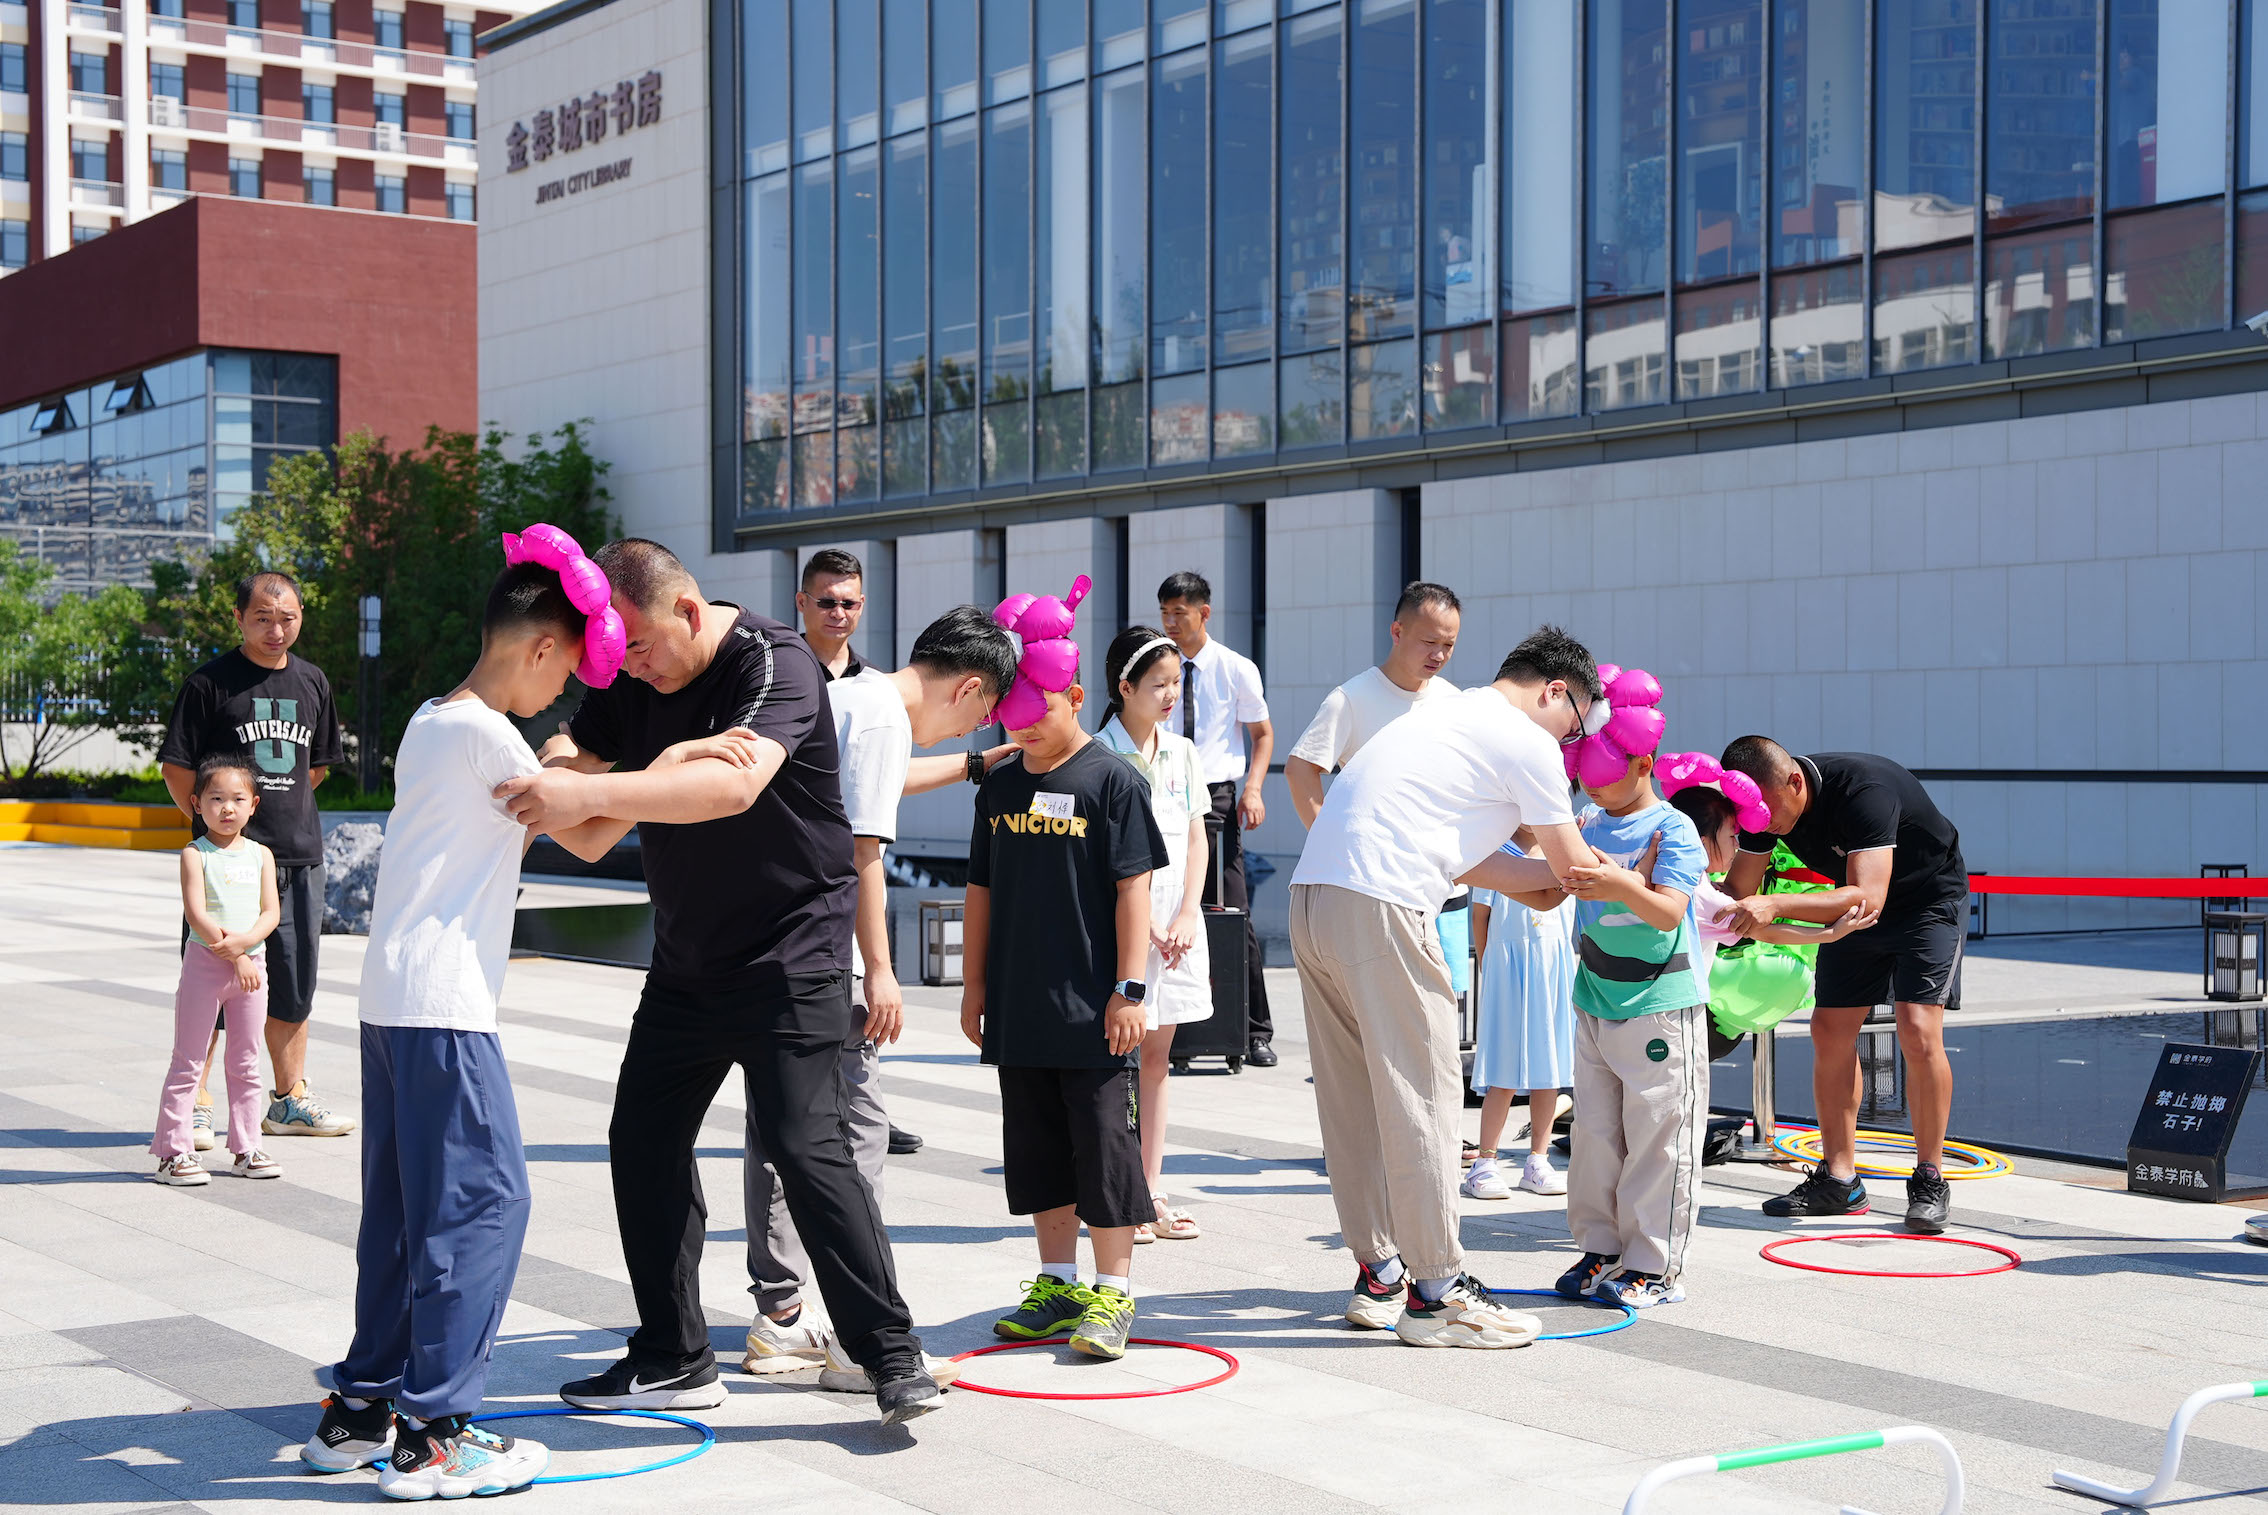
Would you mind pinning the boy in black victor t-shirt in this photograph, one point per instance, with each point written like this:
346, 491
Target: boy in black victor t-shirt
1056, 938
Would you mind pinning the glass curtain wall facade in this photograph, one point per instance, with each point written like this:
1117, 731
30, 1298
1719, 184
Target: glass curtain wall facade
102, 481
1028, 245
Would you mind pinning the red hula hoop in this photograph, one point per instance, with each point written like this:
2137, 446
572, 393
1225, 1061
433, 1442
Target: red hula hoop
1770, 1252
1138, 1341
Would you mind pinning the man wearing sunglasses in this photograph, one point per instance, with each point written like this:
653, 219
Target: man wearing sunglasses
830, 604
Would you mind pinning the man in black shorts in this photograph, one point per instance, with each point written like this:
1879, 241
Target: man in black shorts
747, 856
1867, 825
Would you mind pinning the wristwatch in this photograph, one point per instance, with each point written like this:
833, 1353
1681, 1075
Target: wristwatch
1130, 989
976, 767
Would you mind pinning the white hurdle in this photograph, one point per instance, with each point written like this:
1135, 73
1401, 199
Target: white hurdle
1798, 1451
2169, 1465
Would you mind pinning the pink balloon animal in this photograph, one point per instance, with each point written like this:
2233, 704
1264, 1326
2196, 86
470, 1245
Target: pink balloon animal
1684, 770
1050, 660
1633, 729
604, 639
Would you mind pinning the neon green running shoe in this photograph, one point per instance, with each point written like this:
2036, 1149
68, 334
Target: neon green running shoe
1108, 1321
1051, 1305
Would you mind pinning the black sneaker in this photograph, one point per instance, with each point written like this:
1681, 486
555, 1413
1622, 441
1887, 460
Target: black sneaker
1261, 1055
1577, 1282
1929, 1199
1820, 1193
903, 1143
627, 1386
907, 1391
348, 1439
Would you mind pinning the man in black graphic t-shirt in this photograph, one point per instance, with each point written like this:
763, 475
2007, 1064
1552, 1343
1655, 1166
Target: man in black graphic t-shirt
748, 861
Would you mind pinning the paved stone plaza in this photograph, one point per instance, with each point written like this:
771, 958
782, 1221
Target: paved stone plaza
159, 1348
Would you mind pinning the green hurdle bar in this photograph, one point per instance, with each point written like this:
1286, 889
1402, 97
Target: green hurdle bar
1801, 1451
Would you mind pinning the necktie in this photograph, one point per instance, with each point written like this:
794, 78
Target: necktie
1189, 703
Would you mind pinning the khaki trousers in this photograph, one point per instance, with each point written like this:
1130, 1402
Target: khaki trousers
1382, 1035
1634, 1159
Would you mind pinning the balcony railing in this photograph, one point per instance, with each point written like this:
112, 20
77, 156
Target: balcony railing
298, 47
97, 107
98, 192
96, 18
382, 138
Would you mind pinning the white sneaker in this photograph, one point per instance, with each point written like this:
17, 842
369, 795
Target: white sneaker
1466, 1316
1484, 1182
182, 1171
256, 1165
841, 1375
1538, 1176
774, 1348
201, 1127
452, 1458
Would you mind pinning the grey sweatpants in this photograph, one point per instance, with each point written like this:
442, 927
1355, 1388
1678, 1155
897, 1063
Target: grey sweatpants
778, 1266
1634, 1163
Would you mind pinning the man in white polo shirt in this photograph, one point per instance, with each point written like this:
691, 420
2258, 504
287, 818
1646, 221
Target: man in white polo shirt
1225, 712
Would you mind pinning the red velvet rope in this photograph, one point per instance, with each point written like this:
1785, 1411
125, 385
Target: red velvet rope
2123, 888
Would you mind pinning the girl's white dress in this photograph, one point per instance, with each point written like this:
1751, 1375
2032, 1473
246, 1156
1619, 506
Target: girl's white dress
1183, 993
1525, 1018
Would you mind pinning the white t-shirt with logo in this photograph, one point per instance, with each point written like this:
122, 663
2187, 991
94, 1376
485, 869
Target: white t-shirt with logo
1358, 710
449, 874
1431, 796
874, 739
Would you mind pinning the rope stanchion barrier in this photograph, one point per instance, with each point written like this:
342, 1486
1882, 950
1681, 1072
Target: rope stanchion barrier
1135, 1341
2122, 888
1800, 1451
1803, 1144
1629, 1314
2169, 1465
1771, 1253
708, 1440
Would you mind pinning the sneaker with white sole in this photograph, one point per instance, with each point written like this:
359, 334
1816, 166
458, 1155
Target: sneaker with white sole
627, 1386
1376, 1305
842, 1374
201, 1127
1538, 1176
1484, 1182
1640, 1291
256, 1165
182, 1171
451, 1458
774, 1348
349, 1438
1466, 1315
298, 1112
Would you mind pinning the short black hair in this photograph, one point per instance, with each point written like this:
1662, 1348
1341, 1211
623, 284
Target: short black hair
966, 640
1548, 653
1761, 758
643, 572
224, 762
266, 581
1186, 585
1419, 593
528, 596
1706, 808
831, 563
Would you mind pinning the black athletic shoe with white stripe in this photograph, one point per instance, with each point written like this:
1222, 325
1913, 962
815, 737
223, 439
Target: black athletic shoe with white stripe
348, 1438
1929, 1200
628, 1386
1820, 1193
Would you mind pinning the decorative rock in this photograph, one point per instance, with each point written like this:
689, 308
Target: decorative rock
350, 877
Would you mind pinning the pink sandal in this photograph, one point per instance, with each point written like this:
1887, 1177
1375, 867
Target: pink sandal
1171, 1224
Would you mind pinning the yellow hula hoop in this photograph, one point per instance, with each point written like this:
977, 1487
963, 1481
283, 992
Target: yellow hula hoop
1977, 1162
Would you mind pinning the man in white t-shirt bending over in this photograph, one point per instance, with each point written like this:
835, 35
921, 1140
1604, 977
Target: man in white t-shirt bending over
1424, 807
960, 667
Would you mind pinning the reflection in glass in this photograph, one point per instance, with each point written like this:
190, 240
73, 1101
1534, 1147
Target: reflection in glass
1382, 391
1177, 231
953, 451
1007, 441
2040, 112
1925, 116
905, 82
1231, 16
952, 57
1460, 270
1460, 378
1118, 421
814, 297
1062, 41
2166, 100
1539, 367
2252, 94
2165, 273
769, 382
1720, 142
1623, 362
859, 270
1176, 24
1717, 337
858, 463
855, 73
815, 470
1818, 326
905, 282
1244, 409
953, 266
1059, 262
1312, 400
1118, 33
1539, 170
1818, 129
1627, 73
905, 456
2040, 293
1309, 183
1177, 419
1062, 422
1007, 50
1382, 127
1243, 297
809, 82
1118, 244
1924, 311
1007, 290
763, 64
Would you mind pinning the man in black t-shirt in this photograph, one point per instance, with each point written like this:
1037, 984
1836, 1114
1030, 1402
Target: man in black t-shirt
1866, 825
748, 862
273, 707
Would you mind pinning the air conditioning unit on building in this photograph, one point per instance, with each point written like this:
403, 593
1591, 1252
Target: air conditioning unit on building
167, 111
391, 138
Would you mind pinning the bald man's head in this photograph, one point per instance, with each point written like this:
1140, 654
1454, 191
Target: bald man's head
1787, 792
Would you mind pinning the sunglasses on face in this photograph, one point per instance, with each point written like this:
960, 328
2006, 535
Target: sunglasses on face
828, 602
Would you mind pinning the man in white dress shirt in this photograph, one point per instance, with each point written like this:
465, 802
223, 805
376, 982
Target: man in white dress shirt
1225, 712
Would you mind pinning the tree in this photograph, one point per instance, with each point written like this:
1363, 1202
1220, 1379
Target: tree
65, 664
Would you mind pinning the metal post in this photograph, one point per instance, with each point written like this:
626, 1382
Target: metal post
369, 737
1764, 1077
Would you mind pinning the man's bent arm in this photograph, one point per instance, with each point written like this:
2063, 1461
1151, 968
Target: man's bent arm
679, 794
1306, 781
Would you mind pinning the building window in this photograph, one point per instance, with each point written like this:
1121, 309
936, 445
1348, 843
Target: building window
165, 79
391, 109
244, 14
244, 178
84, 232
90, 159
169, 168
320, 184
458, 116
386, 28
459, 196
2168, 102
244, 94
393, 194
316, 103
456, 35
15, 157
15, 243
12, 67
87, 72
1925, 128
315, 19
166, 8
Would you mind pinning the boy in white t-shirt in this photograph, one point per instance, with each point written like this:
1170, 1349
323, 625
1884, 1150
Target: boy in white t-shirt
444, 1179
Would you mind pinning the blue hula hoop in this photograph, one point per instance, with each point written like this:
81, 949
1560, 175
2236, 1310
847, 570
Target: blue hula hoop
1629, 1315
708, 1440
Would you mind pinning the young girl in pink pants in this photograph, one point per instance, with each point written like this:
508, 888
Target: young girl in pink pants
228, 892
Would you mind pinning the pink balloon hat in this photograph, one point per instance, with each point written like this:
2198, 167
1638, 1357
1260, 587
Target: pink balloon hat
604, 639
1049, 660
